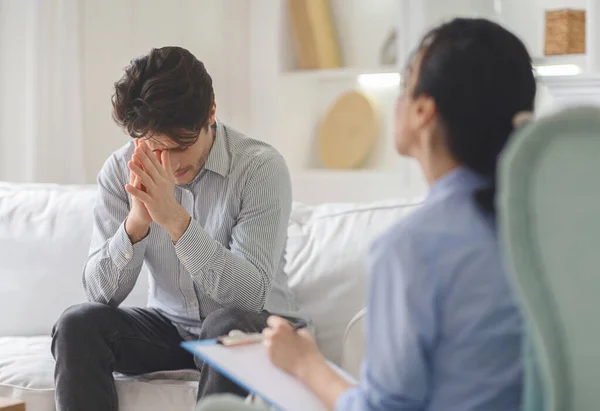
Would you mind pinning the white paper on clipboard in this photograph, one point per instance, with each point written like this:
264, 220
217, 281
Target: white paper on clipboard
250, 367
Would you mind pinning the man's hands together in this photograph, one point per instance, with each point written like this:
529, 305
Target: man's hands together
138, 221
152, 186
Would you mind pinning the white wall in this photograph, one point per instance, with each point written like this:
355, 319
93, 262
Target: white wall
115, 31
241, 43
12, 96
59, 60
40, 99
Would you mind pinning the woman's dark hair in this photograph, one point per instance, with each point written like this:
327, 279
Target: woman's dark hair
479, 75
167, 91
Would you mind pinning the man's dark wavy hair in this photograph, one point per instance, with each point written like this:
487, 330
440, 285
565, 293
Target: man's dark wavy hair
168, 91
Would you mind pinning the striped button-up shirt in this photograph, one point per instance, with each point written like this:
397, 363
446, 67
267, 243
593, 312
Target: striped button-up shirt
232, 253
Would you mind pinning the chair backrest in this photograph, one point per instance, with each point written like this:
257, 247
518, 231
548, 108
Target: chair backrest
549, 215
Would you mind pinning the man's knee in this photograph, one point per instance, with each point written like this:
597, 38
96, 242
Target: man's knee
79, 320
223, 320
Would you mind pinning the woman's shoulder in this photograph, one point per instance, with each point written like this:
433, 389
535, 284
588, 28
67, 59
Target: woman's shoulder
452, 215
449, 224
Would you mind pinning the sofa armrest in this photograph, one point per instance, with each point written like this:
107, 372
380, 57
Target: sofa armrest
354, 344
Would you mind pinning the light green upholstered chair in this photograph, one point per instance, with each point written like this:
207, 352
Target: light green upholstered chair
549, 218
228, 403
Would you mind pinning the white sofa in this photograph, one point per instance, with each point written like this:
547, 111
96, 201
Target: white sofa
44, 237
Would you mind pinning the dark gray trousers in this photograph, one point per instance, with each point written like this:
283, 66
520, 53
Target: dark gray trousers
92, 340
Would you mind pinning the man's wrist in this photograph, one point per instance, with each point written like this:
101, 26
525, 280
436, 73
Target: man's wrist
136, 231
179, 224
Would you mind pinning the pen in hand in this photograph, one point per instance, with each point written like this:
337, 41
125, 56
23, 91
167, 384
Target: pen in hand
237, 337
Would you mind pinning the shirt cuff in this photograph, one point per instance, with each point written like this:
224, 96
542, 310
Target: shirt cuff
345, 402
124, 254
195, 248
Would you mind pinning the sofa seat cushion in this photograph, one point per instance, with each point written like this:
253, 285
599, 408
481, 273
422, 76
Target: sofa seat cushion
27, 368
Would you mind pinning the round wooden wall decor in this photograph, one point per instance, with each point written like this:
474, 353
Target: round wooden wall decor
348, 131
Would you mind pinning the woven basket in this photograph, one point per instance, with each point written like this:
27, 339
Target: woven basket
565, 32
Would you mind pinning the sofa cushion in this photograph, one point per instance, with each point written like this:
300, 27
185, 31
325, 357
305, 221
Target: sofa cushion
27, 367
326, 251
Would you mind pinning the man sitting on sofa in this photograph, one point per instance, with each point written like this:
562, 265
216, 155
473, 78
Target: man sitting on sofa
204, 206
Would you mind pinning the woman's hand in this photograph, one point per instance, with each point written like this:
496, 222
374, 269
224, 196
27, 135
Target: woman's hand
296, 352
291, 350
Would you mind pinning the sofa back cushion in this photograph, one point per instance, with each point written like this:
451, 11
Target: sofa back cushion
326, 255
45, 234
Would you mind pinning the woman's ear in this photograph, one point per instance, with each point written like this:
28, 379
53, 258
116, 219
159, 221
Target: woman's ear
424, 112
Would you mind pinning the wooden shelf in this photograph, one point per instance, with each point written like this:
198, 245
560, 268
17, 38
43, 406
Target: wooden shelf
322, 185
577, 59
350, 73
552, 66
349, 173
584, 85
337, 74
298, 98
560, 59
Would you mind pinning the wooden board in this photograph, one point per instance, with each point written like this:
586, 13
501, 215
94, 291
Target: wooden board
348, 131
7, 404
314, 34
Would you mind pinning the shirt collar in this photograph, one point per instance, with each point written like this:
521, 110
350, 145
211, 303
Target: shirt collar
459, 179
218, 158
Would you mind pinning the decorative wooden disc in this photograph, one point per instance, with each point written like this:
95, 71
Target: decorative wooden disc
348, 131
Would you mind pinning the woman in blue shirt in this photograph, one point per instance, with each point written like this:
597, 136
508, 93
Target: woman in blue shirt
443, 328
